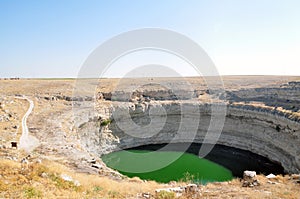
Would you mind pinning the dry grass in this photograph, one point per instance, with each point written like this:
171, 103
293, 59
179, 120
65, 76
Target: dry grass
12, 111
43, 180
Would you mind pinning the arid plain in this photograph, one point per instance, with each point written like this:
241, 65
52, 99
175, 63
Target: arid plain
66, 163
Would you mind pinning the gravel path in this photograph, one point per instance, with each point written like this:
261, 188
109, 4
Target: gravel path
27, 142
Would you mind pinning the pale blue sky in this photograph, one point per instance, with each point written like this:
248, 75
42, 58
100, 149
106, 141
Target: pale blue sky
52, 38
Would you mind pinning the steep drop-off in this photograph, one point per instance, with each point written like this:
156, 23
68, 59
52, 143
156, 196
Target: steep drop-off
266, 132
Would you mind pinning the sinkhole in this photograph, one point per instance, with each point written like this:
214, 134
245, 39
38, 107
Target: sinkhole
176, 162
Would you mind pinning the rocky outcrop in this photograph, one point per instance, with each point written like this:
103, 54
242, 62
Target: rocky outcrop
252, 121
68, 98
286, 96
250, 179
267, 132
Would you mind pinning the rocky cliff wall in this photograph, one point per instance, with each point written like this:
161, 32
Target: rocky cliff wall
266, 131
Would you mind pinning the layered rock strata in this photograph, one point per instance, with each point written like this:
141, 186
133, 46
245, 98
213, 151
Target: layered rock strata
269, 133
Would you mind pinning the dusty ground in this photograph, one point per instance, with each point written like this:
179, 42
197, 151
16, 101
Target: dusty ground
60, 152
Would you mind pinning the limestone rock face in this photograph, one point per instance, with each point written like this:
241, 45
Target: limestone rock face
263, 129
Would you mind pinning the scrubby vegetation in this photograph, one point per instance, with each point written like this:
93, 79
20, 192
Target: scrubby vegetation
165, 195
105, 122
44, 180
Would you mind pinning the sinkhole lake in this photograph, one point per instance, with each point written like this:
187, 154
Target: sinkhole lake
166, 166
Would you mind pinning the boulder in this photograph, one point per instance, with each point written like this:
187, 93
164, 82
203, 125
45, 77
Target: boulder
191, 188
271, 176
249, 179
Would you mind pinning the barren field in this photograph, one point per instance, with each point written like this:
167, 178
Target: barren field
62, 167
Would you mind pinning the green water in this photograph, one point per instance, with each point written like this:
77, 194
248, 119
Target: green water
165, 166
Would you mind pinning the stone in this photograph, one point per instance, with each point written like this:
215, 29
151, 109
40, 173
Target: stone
146, 195
256, 183
44, 175
77, 183
66, 177
245, 184
191, 188
97, 166
171, 189
249, 174
271, 176
188, 189
92, 161
249, 179
70, 179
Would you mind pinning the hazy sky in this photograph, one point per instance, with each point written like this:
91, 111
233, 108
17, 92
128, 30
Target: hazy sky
52, 38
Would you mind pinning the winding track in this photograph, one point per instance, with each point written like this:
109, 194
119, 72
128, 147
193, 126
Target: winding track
26, 143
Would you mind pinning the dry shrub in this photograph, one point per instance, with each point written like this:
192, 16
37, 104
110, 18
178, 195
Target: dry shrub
165, 195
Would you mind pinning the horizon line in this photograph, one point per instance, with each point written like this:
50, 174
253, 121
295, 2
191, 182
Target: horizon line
56, 77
